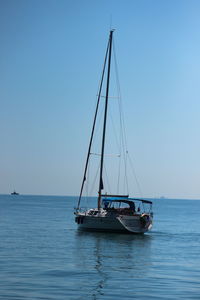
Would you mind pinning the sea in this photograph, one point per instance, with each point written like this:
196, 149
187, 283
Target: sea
44, 256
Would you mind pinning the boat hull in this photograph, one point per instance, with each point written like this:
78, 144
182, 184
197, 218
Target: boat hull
131, 224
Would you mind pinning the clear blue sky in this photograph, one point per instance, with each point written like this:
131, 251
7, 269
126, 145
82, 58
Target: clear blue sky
51, 56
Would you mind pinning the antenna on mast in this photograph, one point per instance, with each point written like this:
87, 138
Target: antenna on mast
111, 26
110, 21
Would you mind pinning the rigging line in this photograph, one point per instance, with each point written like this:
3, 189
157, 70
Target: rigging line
107, 179
122, 123
125, 166
119, 96
95, 179
119, 174
100, 114
127, 184
114, 129
110, 97
93, 127
88, 181
118, 143
125, 176
135, 176
108, 154
119, 100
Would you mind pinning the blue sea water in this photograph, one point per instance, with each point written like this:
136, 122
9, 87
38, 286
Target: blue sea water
43, 256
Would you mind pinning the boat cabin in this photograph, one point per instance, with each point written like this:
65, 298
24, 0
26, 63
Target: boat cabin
124, 206
116, 203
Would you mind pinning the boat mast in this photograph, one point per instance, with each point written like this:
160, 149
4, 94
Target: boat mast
93, 127
104, 123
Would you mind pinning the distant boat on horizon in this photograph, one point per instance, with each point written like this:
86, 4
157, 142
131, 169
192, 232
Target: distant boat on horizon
14, 193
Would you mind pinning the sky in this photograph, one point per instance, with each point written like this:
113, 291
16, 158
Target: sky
51, 57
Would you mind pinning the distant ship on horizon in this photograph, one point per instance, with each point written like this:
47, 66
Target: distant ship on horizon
14, 193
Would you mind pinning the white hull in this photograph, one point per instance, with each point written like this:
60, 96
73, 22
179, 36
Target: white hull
113, 223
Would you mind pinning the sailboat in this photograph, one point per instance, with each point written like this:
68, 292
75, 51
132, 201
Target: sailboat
14, 193
114, 211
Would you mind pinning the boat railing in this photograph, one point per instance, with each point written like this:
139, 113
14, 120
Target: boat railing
82, 209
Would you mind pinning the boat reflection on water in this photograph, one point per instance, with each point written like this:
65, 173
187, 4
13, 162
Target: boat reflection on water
108, 256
